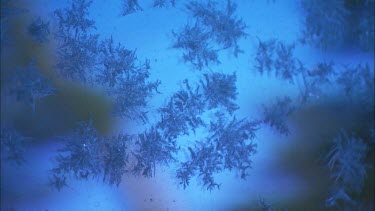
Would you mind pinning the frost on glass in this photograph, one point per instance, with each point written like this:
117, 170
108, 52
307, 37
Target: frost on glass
130, 6
78, 44
90, 155
276, 114
164, 3
153, 149
125, 79
325, 23
214, 29
182, 112
39, 30
220, 90
357, 79
80, 156
277, 58
334, 24
30, 85
197, 46
115, 158
315, 80
225, 28
346, 163
204, 162
265, 56
285, 63
12, 146
228, 146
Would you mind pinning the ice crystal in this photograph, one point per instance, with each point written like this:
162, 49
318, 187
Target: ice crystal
285, 63
276, 114
197, 46
214, 30
358, 83
30, 85
130, 6
234, 142
164, 3
265, 56
205, 161
220, 90
346, 163
90, 155
315, 79
78, 45
153, 149
115, 158
325, 23
181, 114
80, 156
39, 30
13, 145
125, 78
223, 25
277, 57
229, 146
330, 24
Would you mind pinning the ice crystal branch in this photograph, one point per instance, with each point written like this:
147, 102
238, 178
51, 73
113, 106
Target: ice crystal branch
325, 23
214, 30
277, 57
205, 162
197, 46
276, 114
39, 30
78, 46
181, 114
315, 79
115, 158
30, 85
265, 56
223, 25
153, 149
164, 3
334, 24
125, 78
357, 79
346, 163
13, 145
130, 6
220, 90
88, 154
229, 146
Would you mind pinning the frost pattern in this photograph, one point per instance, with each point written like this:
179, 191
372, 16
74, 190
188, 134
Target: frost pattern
229, 146
12, 146
181, 114
164, 3
130, 6
30, 85
153, 150
39, 30
125, 78
78, 45
214, 29
197, 46
276, 114
223, 25
277, 58
335, 23
220, 90
345, 160
89, 155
